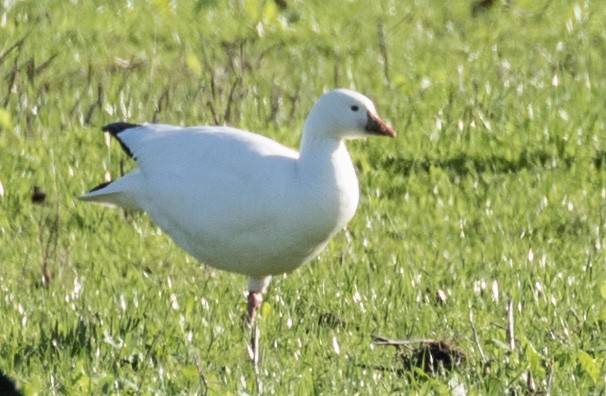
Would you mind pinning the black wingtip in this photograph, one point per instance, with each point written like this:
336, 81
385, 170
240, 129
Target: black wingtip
100, 186
115, 128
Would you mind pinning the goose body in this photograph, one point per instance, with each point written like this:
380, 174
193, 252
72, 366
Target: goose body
241, 202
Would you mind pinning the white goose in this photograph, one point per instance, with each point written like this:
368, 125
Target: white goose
241, 202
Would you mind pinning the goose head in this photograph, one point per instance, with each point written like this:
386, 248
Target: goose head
345, 114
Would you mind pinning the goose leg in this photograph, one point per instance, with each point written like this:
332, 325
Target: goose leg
253, 351
256, 287
255, 299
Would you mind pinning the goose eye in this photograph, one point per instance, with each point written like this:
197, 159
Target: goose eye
355, 108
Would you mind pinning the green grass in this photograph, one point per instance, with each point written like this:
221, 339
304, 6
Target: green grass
494, 190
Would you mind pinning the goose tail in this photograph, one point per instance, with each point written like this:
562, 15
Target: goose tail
119, 192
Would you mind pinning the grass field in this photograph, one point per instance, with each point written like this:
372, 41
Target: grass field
482, 224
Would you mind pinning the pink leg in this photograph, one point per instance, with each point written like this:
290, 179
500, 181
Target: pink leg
256, 287
255, 299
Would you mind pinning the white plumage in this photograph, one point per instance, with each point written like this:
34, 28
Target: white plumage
241, 202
